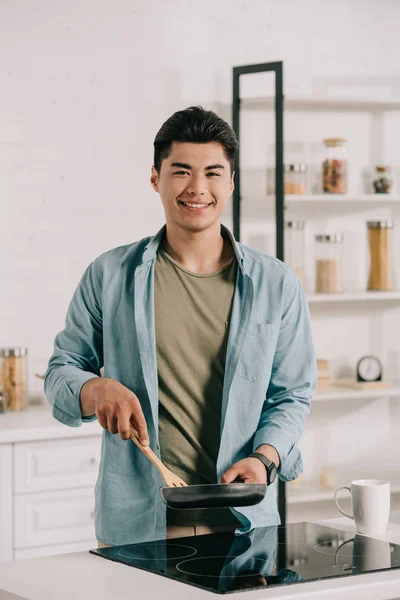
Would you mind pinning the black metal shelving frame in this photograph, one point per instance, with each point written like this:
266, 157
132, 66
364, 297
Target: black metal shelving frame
277, 69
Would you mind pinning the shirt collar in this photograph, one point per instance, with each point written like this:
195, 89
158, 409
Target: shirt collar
150, 250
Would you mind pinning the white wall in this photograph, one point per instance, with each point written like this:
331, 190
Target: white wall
84, 87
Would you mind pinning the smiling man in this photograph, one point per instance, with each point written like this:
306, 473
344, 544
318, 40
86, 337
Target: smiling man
206, 348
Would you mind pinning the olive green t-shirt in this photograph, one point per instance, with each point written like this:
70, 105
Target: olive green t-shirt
192, 315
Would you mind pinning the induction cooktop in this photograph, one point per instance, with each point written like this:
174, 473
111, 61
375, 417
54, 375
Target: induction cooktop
264, 557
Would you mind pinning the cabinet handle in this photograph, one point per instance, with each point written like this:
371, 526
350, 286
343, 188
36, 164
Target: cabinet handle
92, 515
93, 461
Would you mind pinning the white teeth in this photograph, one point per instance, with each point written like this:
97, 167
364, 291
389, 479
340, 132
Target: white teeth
195, 205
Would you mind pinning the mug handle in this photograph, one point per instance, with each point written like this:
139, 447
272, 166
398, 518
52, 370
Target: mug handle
344, 487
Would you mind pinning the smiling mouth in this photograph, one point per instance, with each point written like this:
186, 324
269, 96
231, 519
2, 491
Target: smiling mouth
195, 205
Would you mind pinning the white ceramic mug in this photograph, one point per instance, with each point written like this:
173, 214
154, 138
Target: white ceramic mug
370, 501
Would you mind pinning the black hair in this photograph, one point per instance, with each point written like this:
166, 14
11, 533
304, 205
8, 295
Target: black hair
197, 125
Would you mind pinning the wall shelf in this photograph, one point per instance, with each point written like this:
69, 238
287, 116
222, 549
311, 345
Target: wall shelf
279, 207
342, 393
322, 103
328, 199
342, 198
362, 296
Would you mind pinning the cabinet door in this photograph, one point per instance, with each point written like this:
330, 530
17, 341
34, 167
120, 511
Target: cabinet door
55, 465
5, 502
53, 518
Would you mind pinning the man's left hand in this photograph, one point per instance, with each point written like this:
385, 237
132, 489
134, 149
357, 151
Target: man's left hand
247, 470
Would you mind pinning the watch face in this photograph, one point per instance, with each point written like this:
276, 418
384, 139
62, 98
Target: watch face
369, 368
272, 474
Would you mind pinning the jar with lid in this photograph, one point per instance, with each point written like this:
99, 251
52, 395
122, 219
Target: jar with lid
294, 244
380, 255
328, 248
14, 377
382, 179
334, 167
295, 179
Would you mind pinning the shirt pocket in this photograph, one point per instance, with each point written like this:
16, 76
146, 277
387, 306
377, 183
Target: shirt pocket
256, 360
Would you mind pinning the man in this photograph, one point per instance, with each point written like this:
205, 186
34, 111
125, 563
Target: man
206, 348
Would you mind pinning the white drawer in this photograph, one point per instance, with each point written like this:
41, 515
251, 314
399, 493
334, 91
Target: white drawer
56, 549
56, 465
50, 518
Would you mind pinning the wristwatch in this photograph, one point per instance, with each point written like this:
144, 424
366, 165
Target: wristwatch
270, 466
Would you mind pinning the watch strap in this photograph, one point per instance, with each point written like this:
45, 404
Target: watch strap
269, 464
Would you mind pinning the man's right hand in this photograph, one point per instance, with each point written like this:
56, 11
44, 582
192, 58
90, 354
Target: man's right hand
115, 406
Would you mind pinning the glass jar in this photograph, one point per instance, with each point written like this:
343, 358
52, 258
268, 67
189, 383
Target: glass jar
294, 244
334, 167
328, 250
382, 181
14, 377
380, 255
295, 179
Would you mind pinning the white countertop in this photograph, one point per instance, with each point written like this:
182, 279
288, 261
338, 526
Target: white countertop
37, 423
84, 576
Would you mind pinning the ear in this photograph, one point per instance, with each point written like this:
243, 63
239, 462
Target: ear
232, 184
154, 179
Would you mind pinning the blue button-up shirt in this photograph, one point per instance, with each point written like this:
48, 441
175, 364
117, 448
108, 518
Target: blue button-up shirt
270, 377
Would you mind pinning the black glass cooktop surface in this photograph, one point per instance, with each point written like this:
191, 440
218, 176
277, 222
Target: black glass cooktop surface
265, 557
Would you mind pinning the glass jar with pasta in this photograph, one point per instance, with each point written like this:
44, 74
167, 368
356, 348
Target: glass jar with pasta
14, 377
380, 255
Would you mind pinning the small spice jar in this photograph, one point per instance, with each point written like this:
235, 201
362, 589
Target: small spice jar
294, 244
295, 179
380, 255
14, 377
382, 181
334, 168
328, 262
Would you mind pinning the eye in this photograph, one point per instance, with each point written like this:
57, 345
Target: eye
181, 173
213, 174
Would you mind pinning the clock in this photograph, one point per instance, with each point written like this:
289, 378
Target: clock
369, 368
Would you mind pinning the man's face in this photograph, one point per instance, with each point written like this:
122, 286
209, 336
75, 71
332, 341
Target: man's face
194, 184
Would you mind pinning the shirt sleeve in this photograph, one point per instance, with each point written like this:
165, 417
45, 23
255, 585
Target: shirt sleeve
292, 383
78, 352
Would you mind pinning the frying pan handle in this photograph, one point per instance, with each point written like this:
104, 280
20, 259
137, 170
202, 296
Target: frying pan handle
147, 451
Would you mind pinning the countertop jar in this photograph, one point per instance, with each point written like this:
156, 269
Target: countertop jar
295, 179
335, 166
328, 249
380, 255
14, 377
294, 244
382, 181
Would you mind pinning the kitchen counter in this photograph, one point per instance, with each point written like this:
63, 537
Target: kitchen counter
38, 423
82, 575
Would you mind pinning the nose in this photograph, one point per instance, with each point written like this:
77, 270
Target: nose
197, 186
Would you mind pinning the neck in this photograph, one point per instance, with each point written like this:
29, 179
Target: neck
198, 251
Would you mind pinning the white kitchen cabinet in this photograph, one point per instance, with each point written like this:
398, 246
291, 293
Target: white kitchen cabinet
54, 465
62, 516
47, 476
5, 502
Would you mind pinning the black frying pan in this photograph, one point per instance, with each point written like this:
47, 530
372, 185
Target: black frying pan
214, 495
177, 494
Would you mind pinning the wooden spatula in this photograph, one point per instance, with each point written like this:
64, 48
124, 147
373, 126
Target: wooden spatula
169, 478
